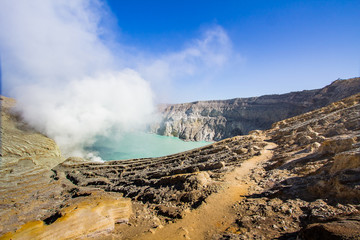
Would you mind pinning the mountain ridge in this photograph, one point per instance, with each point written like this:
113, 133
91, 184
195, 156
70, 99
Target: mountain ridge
220, 119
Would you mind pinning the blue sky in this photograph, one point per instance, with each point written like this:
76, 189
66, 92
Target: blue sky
185, 50
281, 46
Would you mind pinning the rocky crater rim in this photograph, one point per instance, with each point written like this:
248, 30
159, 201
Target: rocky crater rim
301, 180
220, 119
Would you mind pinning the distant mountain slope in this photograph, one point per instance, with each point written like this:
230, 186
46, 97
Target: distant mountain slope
216, 120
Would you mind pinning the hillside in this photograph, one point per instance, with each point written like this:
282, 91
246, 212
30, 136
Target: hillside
216, 120
299, 179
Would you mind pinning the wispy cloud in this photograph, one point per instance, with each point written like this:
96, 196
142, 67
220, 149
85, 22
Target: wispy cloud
198, 61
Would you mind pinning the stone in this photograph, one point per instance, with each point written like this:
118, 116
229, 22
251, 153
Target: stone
337, 145
93, 215
346, 160
342, 228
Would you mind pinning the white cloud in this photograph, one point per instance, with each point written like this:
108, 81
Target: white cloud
63, 75
47, 41
85, 108
198, 62
66, 78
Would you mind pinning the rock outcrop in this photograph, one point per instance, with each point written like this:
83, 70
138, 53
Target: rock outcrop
33, 205
309, 189
216, 120
184, 179
20, 141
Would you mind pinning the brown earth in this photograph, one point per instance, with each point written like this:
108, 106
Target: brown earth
300, 179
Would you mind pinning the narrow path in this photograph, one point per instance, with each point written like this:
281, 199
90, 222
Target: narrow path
215, 215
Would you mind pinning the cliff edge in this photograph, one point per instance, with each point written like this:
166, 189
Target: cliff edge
216, 120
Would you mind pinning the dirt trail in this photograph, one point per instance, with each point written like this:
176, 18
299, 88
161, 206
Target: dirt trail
216, 214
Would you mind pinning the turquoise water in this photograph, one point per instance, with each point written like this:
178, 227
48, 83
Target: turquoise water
141, 145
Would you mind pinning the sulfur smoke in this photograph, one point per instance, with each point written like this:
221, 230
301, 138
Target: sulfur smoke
57, 64
73, 82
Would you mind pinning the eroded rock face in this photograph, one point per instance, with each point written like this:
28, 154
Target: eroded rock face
330, 165
216, 120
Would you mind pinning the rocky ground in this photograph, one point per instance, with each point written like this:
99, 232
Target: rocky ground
297, 180
310, 188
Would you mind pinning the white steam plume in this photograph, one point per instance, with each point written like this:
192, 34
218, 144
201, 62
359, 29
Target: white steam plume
88, 107
56, 61
56, 64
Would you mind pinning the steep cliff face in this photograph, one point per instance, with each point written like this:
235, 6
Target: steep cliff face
216, 120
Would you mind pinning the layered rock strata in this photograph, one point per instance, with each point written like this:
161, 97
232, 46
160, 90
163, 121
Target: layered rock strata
216, 120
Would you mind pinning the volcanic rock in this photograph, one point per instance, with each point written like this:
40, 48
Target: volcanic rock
216, 120
298, 179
